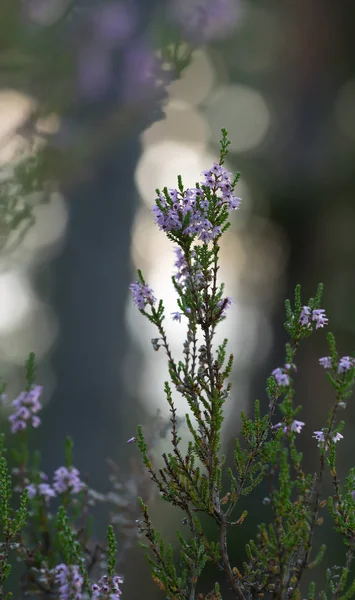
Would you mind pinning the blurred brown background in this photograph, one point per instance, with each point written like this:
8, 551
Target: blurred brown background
93, 117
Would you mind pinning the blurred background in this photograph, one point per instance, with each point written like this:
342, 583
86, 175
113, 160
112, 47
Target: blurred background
103, 101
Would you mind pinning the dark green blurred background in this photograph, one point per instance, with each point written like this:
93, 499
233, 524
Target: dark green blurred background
91, 122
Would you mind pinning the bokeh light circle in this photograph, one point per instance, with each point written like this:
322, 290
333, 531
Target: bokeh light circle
243, 111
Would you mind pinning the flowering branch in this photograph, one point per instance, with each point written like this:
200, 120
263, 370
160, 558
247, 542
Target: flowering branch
195, 219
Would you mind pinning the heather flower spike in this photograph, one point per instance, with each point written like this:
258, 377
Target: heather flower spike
26, 406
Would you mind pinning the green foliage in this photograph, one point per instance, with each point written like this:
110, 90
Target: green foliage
12, 522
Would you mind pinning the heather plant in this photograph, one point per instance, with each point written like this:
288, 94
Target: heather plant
46, 521
194, 480
46, 526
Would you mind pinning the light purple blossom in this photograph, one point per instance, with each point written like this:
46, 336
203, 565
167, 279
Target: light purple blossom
131, 440
305, 315
320, 437
182, 276
345, 364
192, 204
107, 587
42, 489
225, 303
70, 582
142, 295
26, 406
326, 362
281, 377
176, 316
318, 315
67, 479
296, 426
290, 367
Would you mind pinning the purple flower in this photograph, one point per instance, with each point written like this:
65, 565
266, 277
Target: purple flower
70, 581
305, 316
225, 304
282, 378
345, 364
67, 479
290, 367
36, 421
318, 315
193, 205
26, 406
296, 426
42, 489
176, 316
320, 437
142, 295
326, 362
131, 440
107, 586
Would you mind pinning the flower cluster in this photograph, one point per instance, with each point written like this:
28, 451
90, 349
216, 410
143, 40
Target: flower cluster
42, 489
321, 436
295, 426
189, 210
27, 405
65, 479
281, 377
70, 582
317, 316
107, 587
345, 363
182, 277
142, 294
